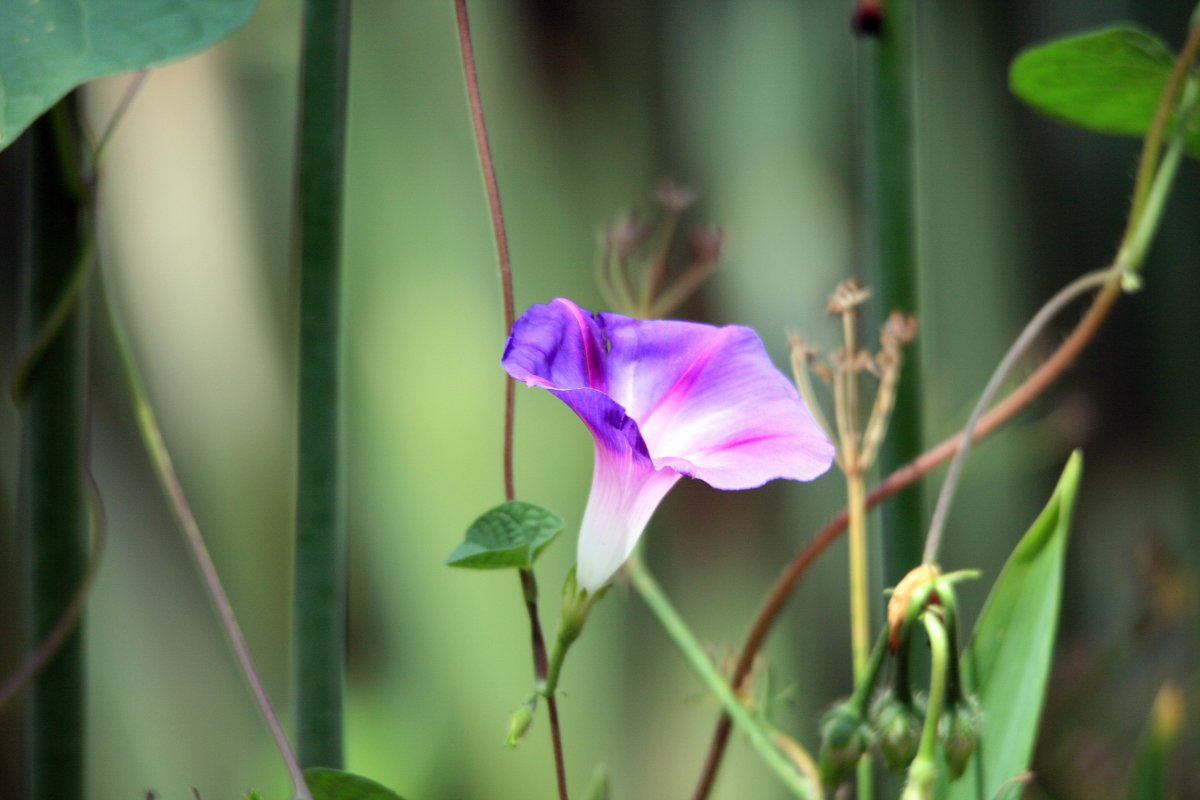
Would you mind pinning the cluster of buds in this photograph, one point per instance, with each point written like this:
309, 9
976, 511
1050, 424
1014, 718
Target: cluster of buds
635, 271
897, 723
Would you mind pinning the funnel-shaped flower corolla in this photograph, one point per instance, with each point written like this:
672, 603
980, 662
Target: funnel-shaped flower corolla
662, 399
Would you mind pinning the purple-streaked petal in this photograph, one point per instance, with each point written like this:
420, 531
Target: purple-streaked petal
663, 398
712, 398
557, 346
707, 401
626, 488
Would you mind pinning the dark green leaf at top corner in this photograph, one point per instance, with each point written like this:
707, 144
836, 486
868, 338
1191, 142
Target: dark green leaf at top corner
510, 535
333, 784
49, 47
1007, 663
1107, 80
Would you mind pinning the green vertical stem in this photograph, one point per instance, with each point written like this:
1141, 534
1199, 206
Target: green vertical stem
891, 198
488, 168
320, 583
53, 493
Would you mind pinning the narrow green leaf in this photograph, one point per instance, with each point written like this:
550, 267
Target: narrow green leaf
1008, 660
1107, 81
510, 535
333, 784
1152, 762
49, 47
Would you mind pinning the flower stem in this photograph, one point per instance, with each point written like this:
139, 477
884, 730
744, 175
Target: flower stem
860, 616
320, 566
850, 449
1032, 330
168, 479
1148, 163
860, 611
52, 399
496, 208
700, 663
922, 773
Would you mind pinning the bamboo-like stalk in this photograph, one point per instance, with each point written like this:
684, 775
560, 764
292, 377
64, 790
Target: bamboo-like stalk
892, 217
52, 397
320, 577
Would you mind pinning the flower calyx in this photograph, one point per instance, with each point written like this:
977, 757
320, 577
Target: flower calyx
845, 738
897, 724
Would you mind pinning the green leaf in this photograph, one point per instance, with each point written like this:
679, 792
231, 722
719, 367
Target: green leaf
1008, 660
49, 47
1151, 765
510, 535
333, 784
1107, 81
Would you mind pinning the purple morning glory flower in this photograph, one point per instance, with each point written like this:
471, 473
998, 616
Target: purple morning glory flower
662, 398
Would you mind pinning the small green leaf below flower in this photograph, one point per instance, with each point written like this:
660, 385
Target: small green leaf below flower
1107, 81
510, 535
333, 784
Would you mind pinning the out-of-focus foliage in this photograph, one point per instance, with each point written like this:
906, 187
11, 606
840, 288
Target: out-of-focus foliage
48, 47
332, 784
1152, 761
753, 105
1108, 80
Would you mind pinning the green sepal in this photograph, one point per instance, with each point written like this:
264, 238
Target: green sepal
897, 726
333, 784
510, 535
1107, 80
844, 740
958, 730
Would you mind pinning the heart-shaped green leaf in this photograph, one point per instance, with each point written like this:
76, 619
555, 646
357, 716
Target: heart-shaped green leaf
333, 784
510, 535
48, 47
1008, 660
1107, 80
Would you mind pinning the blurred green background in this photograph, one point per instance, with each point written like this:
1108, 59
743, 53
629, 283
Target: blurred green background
756, 104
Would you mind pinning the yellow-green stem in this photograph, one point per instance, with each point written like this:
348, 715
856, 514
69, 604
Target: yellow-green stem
922, 773
716, 683
860, 613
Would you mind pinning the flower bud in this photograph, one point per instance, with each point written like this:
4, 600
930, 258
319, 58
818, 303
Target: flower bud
959, 731
897, 726
520, 720
844, 740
